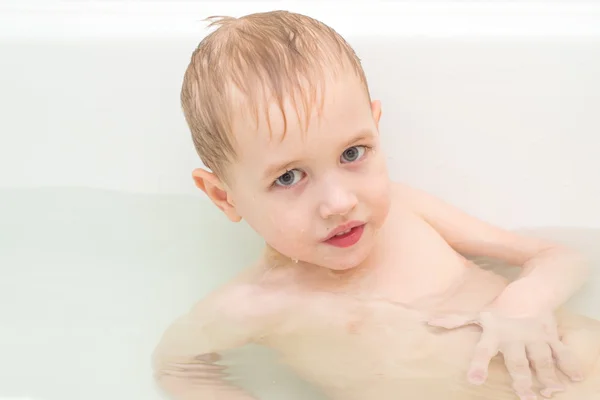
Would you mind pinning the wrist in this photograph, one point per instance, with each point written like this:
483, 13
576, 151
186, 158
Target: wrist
524, 298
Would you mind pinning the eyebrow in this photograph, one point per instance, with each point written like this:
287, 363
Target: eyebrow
276, 168
361, 135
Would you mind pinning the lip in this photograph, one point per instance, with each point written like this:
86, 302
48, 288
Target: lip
342, 228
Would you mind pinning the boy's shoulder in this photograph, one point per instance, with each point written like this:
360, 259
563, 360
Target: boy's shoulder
407, 194
256, 292
418, 201
411, 199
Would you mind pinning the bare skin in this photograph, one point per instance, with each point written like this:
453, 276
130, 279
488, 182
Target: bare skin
361, 334
378, 263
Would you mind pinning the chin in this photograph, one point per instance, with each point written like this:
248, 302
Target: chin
352, 258
342, 267
337, 265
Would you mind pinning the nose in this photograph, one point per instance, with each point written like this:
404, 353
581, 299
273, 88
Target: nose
337, 200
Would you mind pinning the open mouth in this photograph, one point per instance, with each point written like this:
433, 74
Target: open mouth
347, 238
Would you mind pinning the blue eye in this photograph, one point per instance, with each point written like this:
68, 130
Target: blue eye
353, 153
290, 178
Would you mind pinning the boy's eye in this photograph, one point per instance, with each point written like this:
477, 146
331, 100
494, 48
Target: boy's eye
353, 153
290, 178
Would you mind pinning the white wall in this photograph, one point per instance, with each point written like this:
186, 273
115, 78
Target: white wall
492, 106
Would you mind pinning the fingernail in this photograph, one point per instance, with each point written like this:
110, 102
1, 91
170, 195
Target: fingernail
476, 377
547, 392
577, 378
528, 397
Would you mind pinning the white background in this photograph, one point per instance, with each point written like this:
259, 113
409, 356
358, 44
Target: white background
493, 106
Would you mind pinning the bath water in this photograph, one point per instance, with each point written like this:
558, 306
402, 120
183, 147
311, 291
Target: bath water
90, 279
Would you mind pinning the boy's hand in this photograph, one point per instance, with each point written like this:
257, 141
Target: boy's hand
522, 342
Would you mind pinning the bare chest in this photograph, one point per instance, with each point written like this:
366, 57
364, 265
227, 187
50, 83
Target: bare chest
370, 330
367, 339
346, 346
415, 263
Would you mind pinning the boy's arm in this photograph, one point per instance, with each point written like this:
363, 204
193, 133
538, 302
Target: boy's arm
551, 272
184, 360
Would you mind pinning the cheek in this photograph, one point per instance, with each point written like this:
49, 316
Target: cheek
288, 224
378, 195
288, 238
379, 201
279, 222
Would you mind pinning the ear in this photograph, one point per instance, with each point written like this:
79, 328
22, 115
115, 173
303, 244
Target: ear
214, 188
376, 110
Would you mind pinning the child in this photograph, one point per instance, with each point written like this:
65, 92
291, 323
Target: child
357, 271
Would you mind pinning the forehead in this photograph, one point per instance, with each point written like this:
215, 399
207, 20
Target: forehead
342, 109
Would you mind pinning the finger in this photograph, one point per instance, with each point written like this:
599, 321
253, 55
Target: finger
193, 374
517, 364
209, 357
183, 387
540, 356
486, 349
452, 321
197, 367
566, 360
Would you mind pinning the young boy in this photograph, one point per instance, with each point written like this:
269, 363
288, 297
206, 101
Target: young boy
358, 273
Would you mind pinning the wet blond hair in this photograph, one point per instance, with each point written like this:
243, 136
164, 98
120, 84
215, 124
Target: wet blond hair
266, 57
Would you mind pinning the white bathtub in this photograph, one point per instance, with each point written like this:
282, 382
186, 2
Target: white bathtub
103, 238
